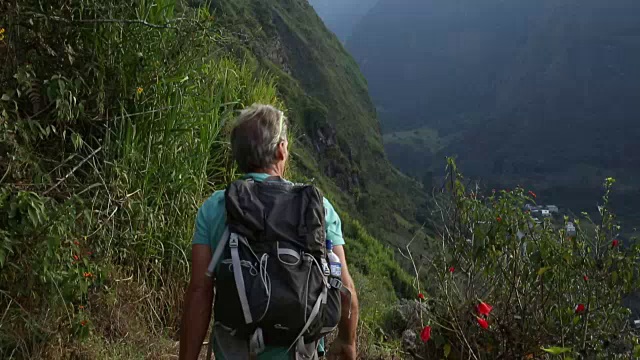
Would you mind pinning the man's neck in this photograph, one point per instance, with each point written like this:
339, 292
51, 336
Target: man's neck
271, 172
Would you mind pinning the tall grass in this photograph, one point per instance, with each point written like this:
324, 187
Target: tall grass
132, 139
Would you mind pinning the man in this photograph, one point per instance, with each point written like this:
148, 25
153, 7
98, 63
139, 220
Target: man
260, 148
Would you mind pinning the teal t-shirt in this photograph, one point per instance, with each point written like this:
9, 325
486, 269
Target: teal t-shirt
210, 224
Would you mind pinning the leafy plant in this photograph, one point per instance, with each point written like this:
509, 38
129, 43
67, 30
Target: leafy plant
501, 286
112, 127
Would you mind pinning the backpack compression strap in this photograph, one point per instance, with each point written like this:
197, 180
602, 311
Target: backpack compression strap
257, 342
218, 253
234, 241
237, 275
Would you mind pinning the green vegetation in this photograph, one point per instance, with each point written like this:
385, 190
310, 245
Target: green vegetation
547, 291
327, 98
419, 139
113, 131
415, 152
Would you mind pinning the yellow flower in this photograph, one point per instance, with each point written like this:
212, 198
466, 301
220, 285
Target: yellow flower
2, 30
139, 90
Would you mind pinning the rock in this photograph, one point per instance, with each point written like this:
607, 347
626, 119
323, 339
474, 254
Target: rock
409, 312
409, 338
277, 55
326, 137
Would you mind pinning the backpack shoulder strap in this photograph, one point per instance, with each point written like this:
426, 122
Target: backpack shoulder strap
218, 252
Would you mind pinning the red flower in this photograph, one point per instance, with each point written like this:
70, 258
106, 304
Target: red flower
75, 257
484, 309
586, 278
89, 253
498, 219
452, 269
421, 296
483, 323
83, 322
425, 334
580, 308
76, 242
81, 307
615, 243
87, 274
532, 194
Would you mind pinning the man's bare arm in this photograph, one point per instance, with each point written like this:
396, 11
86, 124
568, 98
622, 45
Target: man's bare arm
348, 324
197, 305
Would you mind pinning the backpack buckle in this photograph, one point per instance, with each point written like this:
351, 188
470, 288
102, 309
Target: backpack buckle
335, 283
233, 240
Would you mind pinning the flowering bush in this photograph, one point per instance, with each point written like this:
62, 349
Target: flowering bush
521, 289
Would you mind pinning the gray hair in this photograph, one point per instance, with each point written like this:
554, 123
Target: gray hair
255, 136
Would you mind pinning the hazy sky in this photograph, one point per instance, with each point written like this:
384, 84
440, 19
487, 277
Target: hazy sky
341, 16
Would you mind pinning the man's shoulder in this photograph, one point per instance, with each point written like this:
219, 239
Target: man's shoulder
327, 204
214, 203
210, 220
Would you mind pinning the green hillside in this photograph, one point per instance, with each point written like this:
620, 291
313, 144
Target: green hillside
328, 101
113, 130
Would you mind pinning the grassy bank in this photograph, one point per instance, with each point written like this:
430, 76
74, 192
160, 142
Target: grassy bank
113, 131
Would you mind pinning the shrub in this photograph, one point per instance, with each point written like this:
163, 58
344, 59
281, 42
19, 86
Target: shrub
501, 286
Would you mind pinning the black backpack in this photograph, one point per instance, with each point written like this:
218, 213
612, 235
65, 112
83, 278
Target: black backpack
271, 278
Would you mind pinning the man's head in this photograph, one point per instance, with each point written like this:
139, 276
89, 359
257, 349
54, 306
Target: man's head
259, 140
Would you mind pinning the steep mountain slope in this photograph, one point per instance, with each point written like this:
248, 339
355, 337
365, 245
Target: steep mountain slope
329, 103
341, 16
533, 92
113, 131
